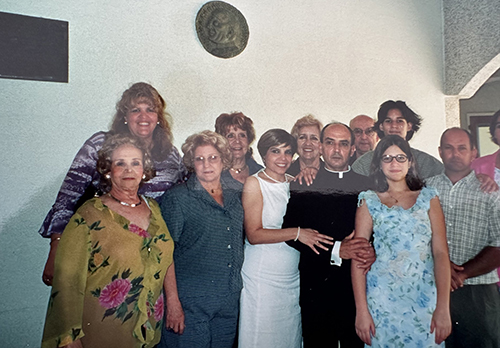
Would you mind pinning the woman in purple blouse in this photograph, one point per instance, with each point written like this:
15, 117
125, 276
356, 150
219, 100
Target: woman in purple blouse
141, 112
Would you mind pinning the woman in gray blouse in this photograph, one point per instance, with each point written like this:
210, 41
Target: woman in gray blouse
205, 219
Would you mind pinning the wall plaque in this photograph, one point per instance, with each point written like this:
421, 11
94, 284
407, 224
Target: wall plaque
222, 29
33, 48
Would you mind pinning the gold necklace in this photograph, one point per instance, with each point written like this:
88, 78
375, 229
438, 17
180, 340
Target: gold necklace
239, 170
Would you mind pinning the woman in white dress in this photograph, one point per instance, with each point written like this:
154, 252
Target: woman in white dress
269, 303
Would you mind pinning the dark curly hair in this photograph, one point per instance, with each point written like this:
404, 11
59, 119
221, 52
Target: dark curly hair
408, 114
142, 92
493, 125
113, 142
377, 176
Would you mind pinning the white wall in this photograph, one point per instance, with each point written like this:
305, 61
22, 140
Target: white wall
334, 59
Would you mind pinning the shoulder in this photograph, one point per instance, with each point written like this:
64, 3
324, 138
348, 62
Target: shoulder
97, 139
422, 157
362, 164
429, 191
253, 166
488, 159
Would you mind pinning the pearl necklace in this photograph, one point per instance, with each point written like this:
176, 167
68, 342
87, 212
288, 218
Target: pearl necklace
273, 179
131, 205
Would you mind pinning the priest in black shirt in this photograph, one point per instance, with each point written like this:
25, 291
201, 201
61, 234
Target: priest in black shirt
328, 205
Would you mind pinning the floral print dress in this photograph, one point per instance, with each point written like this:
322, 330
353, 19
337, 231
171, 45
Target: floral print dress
401, 289
108, 280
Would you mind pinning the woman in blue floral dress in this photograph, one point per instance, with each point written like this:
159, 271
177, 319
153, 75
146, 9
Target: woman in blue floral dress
403, 301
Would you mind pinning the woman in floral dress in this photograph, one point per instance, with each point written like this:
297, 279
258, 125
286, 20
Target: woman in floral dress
112, 260
404, 299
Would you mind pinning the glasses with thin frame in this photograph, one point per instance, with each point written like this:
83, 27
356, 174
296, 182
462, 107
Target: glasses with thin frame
211, 159
359, 132
399, 158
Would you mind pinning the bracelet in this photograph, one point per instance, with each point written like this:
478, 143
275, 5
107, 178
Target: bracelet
298, 234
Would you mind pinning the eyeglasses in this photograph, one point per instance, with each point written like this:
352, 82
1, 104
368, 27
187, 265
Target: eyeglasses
399, 158
359, 132
497, 126
211, 159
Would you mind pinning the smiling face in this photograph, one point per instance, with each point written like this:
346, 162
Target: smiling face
207, 164
126, 168
278, 159
394, 170
395, 124
336, 147
238, 142
142, 119
308, 145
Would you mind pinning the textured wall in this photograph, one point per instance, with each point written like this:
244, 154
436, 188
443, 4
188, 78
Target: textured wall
332, 58
472, 39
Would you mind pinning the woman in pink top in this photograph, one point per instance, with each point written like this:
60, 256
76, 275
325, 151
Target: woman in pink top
490, 164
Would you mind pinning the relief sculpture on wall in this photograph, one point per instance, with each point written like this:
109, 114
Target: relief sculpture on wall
222, 29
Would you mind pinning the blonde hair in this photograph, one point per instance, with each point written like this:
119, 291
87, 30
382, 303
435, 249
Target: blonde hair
206, 137
308, 120
142, 92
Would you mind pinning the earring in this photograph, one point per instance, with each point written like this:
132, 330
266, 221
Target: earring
158, 122
143, 176
107, 176
125, 122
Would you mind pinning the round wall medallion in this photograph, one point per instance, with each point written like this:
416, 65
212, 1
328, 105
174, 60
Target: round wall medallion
222, 29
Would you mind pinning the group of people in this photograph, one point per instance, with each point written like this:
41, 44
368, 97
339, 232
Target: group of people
351, 243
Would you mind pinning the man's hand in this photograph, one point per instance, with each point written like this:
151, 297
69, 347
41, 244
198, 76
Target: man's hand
457, 276
358, 249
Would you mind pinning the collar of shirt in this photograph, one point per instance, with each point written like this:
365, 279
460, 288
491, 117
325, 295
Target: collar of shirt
340, 173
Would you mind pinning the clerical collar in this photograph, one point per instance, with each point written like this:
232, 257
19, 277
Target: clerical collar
341, 173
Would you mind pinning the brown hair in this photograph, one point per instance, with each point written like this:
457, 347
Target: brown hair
142, 92
238, 120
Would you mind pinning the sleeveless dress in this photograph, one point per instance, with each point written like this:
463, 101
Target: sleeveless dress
400, 287
269, 303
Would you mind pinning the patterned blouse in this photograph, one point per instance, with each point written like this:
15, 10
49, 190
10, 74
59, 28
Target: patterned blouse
108, 280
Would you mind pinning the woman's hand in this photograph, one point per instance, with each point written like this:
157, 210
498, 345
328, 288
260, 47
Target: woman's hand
314, 240
75, 344
48, 271
365, 327
441, 323
307, 174
175, 317
488, 185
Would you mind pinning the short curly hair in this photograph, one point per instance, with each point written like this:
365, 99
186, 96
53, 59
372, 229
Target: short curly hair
238, 120
203, 138
306, 121
142, 92
112, 143
408, 114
